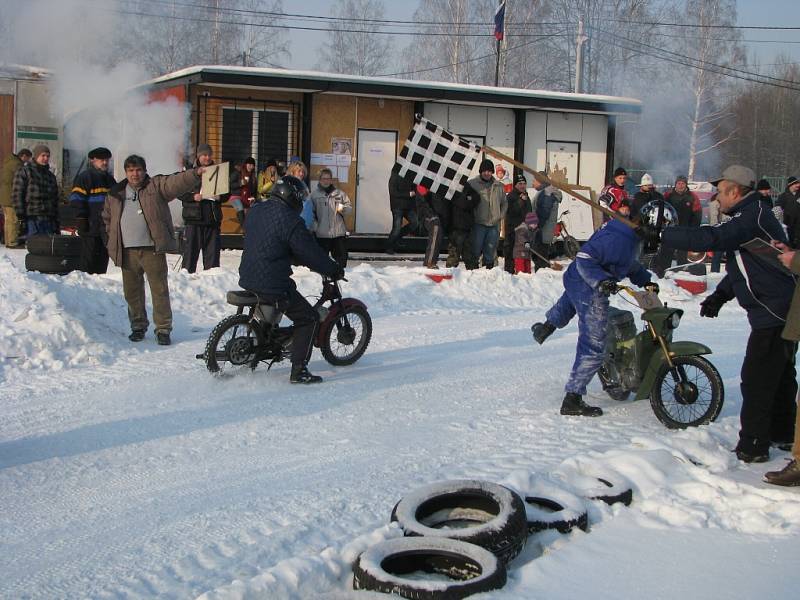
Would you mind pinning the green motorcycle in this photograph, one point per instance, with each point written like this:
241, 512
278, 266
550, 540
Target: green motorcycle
684, 388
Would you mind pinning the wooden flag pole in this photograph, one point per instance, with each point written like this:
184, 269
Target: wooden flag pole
564, 187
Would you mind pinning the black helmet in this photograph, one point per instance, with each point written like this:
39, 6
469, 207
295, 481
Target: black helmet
290, 190
650, 214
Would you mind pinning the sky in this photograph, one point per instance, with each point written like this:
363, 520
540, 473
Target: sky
305, 45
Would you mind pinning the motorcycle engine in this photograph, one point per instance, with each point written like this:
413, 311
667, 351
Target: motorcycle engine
621, 347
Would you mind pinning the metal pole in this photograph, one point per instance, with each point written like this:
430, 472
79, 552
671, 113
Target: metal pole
580, 40
497, 66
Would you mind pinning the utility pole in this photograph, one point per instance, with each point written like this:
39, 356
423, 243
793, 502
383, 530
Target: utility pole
215, 36
580, 40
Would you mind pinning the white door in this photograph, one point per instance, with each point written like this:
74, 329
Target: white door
376, 156
562, 158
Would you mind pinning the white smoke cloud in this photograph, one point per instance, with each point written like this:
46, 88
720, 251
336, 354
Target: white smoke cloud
77, 40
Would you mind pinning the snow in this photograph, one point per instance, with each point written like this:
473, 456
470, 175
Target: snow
127, 471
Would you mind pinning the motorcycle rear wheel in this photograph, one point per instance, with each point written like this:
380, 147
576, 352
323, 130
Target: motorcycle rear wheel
347, 339
233, 344
695, 399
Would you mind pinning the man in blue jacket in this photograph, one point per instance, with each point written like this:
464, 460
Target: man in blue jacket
277, 236
608, 257
764, 290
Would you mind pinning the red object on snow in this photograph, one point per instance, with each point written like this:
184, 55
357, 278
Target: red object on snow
693, 286
438, 277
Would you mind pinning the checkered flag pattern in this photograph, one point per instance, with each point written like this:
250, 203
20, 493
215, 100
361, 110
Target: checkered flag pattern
437, 159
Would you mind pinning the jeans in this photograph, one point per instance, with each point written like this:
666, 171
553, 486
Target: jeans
398, 229
484, 242
42, 226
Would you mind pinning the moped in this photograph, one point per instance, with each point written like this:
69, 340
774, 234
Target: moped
254, 333
570, 244
684, 388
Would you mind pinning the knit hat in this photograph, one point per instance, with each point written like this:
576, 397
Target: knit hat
791, 181
620, 171
39, 149
486, 165
99, 152
647, 179
763, 184
520, 178
531, 219
203, 149
682, 178
23, 152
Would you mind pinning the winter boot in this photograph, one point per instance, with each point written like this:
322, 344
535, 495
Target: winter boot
163, 339
301, 374
573, 405
542, 331
137, 335
788, 476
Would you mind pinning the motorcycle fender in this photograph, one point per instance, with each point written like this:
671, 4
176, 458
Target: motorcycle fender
675, 349
332, 315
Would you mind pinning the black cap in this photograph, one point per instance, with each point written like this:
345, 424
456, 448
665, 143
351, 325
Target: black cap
620, 171
100, 152
792, 180
520, 178
763, 184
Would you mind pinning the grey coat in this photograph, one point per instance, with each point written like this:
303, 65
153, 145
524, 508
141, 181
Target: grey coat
492, 207
327, 222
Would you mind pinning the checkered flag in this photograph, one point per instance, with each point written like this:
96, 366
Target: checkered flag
436, 158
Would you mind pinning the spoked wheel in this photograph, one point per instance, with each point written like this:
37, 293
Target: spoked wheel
348, 337
612, 388
233, 344
688, 395
571, 247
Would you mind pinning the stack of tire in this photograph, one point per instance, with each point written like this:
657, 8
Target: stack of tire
54, 254
463, 533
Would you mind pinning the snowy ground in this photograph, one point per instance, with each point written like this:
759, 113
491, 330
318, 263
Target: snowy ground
127, 471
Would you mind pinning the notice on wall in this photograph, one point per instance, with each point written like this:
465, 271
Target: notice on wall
342, 146
343, 160
343, 174
318, 158
215, 180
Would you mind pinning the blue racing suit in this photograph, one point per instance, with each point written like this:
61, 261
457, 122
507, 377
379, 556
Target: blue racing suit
609, 254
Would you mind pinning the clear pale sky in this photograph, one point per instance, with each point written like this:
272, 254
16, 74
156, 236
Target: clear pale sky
305, 45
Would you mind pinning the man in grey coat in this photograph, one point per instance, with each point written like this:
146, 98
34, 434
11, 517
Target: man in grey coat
139, 233
488, 214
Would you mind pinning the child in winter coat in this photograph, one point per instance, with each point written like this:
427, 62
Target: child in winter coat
525, 233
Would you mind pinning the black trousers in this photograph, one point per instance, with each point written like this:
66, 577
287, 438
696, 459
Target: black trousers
306, 321
205, 238
769, 388
508, 252
460, 248
337, 248
95, 255
434, 229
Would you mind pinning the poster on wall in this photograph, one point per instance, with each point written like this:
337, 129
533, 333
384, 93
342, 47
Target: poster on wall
342, 146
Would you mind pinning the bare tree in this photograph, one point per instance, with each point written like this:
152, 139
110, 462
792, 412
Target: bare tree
362, 52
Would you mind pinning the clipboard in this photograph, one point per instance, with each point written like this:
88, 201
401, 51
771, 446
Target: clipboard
216, 180
764, 251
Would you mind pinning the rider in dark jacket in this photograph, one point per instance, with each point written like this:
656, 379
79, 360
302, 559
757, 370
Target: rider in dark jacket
277, 236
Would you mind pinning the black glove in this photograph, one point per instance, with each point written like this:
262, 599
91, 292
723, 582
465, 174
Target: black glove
607, 287
652, 286
339, 275
650, 235
711, 305
82, 226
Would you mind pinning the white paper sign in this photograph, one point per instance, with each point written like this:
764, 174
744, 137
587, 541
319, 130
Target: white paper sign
343, 173
215, 180
318, 158
343, 160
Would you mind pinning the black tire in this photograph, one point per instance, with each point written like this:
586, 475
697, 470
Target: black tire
571, 247
478, 512
395, 567
57, 265
348, 337
616, 492
697, 402
233, 344
612, 389
55, 245
549, 506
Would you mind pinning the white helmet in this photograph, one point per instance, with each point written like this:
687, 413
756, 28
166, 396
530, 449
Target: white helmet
647, 179
650, 211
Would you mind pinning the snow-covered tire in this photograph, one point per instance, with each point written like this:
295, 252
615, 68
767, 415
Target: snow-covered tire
54, 245
478, 512
57, 265
613, 492
548, 506
395, 567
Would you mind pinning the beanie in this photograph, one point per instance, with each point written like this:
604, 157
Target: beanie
520, 178
532, 219
40, 149
620, 171
486, 165
763, 185
203, 149
682, 178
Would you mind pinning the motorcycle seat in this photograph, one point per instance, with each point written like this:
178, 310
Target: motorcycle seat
245, 298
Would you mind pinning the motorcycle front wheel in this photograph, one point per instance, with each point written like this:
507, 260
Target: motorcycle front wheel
347, 339
689, 394
233, 344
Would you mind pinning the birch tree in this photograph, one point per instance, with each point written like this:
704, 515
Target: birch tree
364, 52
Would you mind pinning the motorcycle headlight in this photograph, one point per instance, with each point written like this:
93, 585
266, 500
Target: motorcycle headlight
674, 320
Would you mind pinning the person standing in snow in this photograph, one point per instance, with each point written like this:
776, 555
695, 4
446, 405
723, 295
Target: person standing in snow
432, 209
789, 201
545, 202
615, 193
330, 207
34, 194
606, 258
402, 195
88, 196
10, 166
139, 233
519, 205
489, 212
525, 236
277, 236
764, 291
203, 219
459, 228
